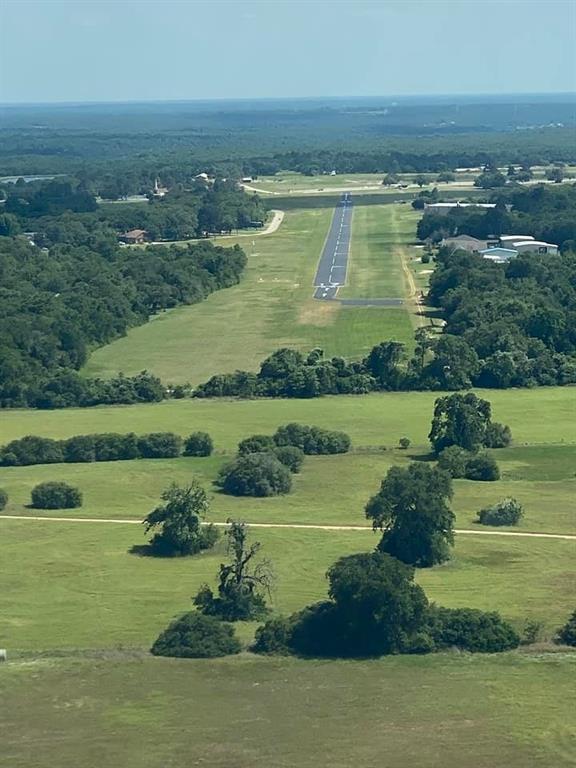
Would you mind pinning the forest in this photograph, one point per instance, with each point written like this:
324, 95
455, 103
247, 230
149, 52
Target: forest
58, 303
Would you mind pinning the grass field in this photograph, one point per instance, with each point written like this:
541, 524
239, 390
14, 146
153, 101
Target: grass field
271, 307
545, 415
441, 712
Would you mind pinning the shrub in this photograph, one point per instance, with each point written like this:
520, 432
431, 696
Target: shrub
198, 444
195, 636
312, 440
3, 499
290, 456
274, 637
497, 435
81, 448
56, 495
404, 443
454, 460
115, 447
471, 630
567, 634
160, 445
505, 512
256, 444
32, 450
482, 467
257, 474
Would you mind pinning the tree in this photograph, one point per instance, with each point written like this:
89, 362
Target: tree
412, 511
404, 443
471, 630
256, 444
3, 499
490, 179
56, 495
382, 363
195, 636
160, 445
421, 180
242, 584
454, 365
556, 174
312, 440
179, 522
506, 512
482, 467
290, 456
459, 420
198, 444
567, 634
375, 608
255, 474
446, 176
454, 460
497, 435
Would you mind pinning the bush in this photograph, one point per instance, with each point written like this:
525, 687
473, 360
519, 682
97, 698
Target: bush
404, 443
116, 447
195, 636
3, 499
291, 457
497, 435
56, 495
32, 450
482, 467
454, 460
312, 440
505, 512
198, 444
81, 448
256, 474
256, 444
567, 635
274, 637
471, 630
160, 445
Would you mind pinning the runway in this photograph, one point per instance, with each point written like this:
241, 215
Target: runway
331, 272
333, 264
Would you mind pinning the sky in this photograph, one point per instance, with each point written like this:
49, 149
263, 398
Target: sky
139, 50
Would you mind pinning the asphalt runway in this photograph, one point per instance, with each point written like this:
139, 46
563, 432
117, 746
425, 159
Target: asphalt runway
331, 272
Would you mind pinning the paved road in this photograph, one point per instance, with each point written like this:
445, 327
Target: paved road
299, 526
331, 273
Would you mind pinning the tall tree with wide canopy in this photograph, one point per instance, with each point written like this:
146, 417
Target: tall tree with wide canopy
411, 508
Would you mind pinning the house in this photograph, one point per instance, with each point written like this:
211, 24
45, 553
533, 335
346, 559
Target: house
201, 176
537, 246
465, 243
133, 237
505, 240
247, 179
451, 206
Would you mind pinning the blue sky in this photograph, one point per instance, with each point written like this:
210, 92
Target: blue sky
109, 50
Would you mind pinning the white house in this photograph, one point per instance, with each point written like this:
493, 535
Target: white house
498, 254
538, 246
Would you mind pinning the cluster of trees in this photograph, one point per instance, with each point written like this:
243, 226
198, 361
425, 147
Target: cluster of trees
56, 305
110, 446
505, 512
265, 463
375, 608
508, 325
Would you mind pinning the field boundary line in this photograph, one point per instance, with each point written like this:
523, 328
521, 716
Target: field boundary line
294, 526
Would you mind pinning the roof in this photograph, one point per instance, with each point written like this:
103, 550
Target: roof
134, 233
457, 204
533, 242
516, 238
465, 238
498, 252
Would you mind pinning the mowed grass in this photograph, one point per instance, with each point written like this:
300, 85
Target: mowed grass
544, 415
271, 307
77, 585
446, 711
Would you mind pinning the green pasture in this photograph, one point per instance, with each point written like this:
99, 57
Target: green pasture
544, 415
446, 711
330, 490
273, 305
77, 585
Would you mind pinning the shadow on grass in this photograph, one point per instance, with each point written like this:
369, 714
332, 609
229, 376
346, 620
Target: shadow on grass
425, 457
